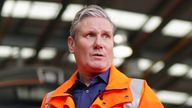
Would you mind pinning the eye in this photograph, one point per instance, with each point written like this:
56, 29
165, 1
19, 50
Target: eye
106, 36
90, 35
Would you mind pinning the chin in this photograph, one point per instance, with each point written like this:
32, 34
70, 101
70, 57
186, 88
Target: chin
100, 67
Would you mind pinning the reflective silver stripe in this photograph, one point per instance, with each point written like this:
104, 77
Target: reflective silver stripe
47, 99
128, 105
136, 87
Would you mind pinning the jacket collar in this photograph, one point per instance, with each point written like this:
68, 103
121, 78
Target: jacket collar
61, 90
117, 81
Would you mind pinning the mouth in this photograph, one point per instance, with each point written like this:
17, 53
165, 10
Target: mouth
100, 55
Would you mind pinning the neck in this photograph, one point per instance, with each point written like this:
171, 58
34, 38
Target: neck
86, 78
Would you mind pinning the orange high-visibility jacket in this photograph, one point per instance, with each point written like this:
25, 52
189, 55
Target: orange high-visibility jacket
117, 94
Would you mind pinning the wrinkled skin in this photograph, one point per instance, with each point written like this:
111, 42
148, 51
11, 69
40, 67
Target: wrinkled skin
92, 46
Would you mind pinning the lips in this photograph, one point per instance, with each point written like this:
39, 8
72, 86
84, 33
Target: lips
97, 54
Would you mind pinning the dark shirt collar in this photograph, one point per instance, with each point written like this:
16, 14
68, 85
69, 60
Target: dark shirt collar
103, 77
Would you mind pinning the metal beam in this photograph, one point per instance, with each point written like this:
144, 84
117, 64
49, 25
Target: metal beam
166, 17
43, 37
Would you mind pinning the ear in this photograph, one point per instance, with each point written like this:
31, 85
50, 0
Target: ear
71, 44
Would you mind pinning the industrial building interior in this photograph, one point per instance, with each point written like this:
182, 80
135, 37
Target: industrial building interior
153, 41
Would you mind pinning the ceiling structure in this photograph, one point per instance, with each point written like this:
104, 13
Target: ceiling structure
160, 53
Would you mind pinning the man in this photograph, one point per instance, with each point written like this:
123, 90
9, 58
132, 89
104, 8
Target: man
97, 83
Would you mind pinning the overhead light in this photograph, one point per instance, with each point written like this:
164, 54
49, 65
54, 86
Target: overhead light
70, 11
178, 69
152, 24
27, 52
7, 8
44, 10
15, 52
118, 61
158, 66
189, 74
144, 64
177, 28
71, 58
122, 51
5, 51
33, 10
189, 101
22, 52
120, 37
125, 19
172, 97
21, 9
47, 53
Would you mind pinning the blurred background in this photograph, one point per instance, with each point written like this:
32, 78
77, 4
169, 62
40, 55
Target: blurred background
153, 41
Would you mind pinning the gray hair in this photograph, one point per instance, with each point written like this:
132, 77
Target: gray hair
89, 11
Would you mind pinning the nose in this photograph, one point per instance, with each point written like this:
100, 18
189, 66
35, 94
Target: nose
98, 43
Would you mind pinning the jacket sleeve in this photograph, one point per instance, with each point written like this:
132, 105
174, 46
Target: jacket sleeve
148, 98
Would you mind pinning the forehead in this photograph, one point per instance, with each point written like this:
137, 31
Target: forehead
95, 23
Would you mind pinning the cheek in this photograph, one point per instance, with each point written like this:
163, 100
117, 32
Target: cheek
82, 49
111, 54
110, 49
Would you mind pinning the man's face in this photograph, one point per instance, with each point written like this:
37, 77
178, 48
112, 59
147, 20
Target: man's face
93, 44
